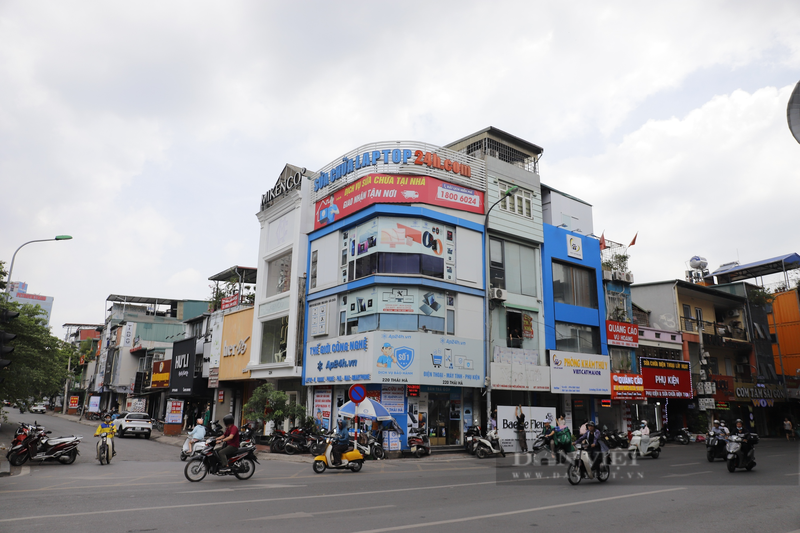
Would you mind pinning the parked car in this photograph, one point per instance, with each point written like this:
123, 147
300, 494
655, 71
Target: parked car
38, 408
133, 424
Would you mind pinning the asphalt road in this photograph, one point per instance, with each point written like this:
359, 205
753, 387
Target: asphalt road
144, 490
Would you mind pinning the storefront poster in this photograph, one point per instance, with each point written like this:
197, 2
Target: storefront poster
622, 334
527, 326
174, 412
160, 375
518, 369
627, 386
389, 189
534, 422
397, 300
579, 373
393, 398
323, 396
392, 439
73, 402
666, 378
94, 404
136, 405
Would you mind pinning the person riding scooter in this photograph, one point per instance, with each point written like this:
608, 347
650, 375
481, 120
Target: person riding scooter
644, 429
740, 431
342, 439
198, 433
597, 448
110, 429
717, 430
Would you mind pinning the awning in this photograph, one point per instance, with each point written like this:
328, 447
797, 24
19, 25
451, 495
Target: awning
757, 269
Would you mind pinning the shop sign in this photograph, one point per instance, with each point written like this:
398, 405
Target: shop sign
94, 404
527, 326
282, 187
393, 440
534, 423
704, 404
665, 378
240, 348
174, 412
213, 377
323, 398
627, 386
393, 398
73, 402
230, 301
622, 334
136, 405
182, 374
579, 373
722, 406
161, 372
747, 391
397, 300
395, 189
518, 369
394, 156
724, 389
574, 246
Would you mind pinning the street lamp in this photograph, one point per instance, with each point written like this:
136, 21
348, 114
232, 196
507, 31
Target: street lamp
488, 333
11, 268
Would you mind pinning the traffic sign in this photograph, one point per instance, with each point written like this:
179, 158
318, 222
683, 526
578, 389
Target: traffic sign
357, 393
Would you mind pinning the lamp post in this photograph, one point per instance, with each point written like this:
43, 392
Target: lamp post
13, 257
487, 311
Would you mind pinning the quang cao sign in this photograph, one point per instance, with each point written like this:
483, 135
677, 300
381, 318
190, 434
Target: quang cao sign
627, 386
579, 373
622, 334
395, 189
665, 378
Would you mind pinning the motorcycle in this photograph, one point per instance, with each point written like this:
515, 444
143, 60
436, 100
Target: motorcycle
241, 464
297, 441
610, 438
104, 451
37, 446
644, 447
370, 447
683, 436
419, 443
470, 439
581, 466
716, 447
188, 450
737, 457
352, 459
489, 445
277, 441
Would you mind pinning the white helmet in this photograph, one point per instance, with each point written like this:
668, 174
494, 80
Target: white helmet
716, 422
644, 423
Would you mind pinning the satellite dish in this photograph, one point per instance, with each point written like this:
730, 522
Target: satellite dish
698, 263
793, 112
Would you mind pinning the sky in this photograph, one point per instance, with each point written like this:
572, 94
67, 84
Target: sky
149, 130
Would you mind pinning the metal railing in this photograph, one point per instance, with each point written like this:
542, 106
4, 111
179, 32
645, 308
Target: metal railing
718, 329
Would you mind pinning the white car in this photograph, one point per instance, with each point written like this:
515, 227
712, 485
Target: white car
38, 408
133, 424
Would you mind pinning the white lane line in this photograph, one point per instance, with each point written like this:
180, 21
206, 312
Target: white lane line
689, 474
519, 511
777, 455
302, 514
239, 502
793, 474
686, 464
248, 487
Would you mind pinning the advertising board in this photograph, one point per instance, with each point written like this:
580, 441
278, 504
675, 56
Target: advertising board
627, 386
534, 422
518, 369
579, 373
666, 378
622, 334
160, 375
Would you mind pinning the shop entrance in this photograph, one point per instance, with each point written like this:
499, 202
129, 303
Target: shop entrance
444, 418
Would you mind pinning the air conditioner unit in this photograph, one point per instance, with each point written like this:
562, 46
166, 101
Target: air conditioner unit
629, 277
619, 276
498, 294
733, 312
607, 276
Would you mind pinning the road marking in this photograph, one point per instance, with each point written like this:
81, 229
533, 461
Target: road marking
777, 455
263, 500
302, 514
248, 487
519, 511
795, 474
686, 464
689, 474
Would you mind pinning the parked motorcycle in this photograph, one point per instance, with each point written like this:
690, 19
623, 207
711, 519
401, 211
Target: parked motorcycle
37, 446
277, 441
716, 447
242, 464
352, 460
489, 445
296, 441
419, 443
683, 436
741, 453
370, 448
470, 439
581, 467
644, 447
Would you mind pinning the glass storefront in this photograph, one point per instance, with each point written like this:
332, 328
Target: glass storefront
444, 415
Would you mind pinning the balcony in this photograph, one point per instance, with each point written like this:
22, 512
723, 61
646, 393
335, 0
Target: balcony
715, 333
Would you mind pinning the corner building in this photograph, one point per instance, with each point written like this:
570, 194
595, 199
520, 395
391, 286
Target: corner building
396, 284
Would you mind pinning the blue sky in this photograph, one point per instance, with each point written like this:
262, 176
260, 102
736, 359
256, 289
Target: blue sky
150, 130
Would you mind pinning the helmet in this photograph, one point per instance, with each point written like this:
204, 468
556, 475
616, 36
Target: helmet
739, 421
644, 423
716, 422
227, 419
107, 417
589, 423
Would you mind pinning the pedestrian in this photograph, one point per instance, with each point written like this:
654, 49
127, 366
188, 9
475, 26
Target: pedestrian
523, 442
561, 423
493, 421
207, 416
788, 428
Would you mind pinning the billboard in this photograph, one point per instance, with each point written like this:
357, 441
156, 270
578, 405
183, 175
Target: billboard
627, 386
622, 334
579, 373
395, 189
534, 422
397, 300
665, 378
182, 375
161, 371
518, 369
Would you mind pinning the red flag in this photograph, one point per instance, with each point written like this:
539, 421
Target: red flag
603, 241
634, 239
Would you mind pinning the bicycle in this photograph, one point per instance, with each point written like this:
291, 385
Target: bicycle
158, 425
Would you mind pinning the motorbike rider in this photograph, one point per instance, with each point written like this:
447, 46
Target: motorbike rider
110, 429
724, 428
644, 429
597, 448
549, 435
342, 442
718, 431
231, 440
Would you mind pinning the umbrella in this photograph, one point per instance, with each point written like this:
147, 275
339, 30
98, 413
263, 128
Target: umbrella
366, 409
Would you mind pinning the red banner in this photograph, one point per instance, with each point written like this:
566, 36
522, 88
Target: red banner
395, 189
627, 387
230, 301
622, 334
73, 402
665, 378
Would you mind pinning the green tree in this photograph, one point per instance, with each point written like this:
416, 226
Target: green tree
3, 275
268, 404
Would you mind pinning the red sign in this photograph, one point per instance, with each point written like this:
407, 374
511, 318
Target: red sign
357, 393
230, 301
73, 402
627, 386
395, 189
221, 398
665, 378
161, 370
725, 388
622, 334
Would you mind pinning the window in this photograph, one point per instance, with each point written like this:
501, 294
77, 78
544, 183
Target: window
279, 275
713, 365
574, 285
451, 322
396, 322
620, 360
366, 265
342, 322
687, 318
514, 329
313, 274
518, 203
728, 367
497, 275
699, 315
519, 266
616, 306
431, 324
577, 338
274, 334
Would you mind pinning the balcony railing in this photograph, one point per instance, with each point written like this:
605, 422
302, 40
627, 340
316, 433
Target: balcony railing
714, 329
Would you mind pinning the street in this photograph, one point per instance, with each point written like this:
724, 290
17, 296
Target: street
144, 489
